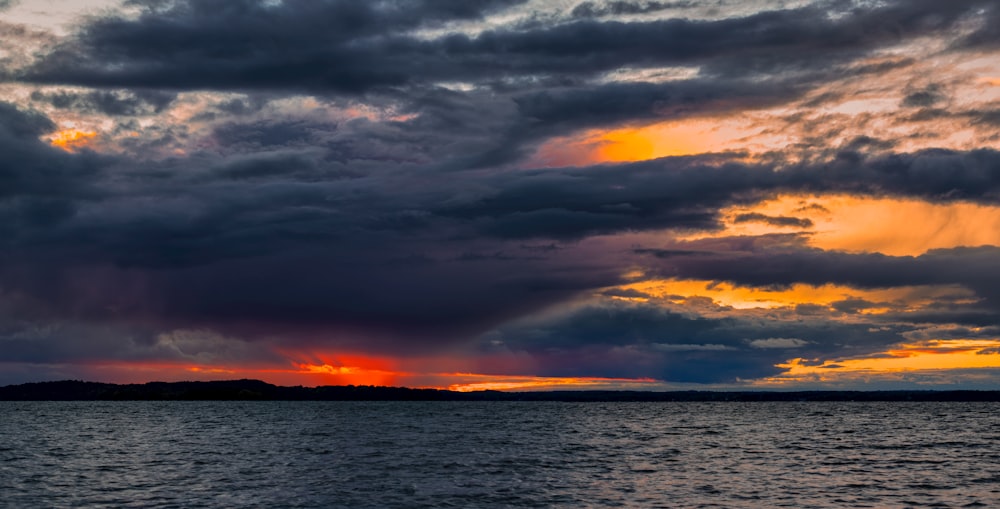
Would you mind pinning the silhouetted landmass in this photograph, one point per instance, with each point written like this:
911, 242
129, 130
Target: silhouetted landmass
258, 390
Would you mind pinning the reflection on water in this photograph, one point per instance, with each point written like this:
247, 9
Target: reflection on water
496, 454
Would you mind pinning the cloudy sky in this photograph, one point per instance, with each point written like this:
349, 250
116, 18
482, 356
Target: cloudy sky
763, 194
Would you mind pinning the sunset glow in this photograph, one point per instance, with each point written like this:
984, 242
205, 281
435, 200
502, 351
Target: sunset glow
325, 375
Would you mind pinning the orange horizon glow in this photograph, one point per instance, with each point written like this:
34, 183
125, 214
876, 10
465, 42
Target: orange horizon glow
317, 375
916, 357
530, 383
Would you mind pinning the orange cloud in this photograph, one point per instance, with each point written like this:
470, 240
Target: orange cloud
897, 227
738, 297
927, 356
71, 139
666, 139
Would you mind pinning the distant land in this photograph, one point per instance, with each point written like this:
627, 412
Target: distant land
250, 390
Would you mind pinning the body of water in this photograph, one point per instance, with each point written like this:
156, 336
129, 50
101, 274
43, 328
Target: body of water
498, 454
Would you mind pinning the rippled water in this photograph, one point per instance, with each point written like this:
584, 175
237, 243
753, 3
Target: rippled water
498, 454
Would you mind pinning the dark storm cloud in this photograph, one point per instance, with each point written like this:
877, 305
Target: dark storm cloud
247, 137
936, 175
206, 208
689, 191
61, 342
572, 203
529, 83
297, 242
278, 240
291, 166
271, 245
321, 190
772, 261
23, 125
626, 339
363, 295
37, 182
300, 44
352, 47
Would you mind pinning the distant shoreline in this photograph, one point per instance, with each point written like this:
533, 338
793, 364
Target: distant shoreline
256, 390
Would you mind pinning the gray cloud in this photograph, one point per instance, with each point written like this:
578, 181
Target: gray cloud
114, 103
778, 343
929, 96
798, 222
620, 7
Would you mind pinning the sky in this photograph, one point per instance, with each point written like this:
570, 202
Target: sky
502, 194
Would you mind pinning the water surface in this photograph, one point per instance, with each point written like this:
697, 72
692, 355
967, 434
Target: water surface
498, 454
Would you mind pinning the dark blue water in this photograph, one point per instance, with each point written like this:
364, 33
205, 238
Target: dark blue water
499, 454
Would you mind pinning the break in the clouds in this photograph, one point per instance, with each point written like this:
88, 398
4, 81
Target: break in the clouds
454, 194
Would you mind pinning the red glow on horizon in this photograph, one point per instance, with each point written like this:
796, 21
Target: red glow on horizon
351, 369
